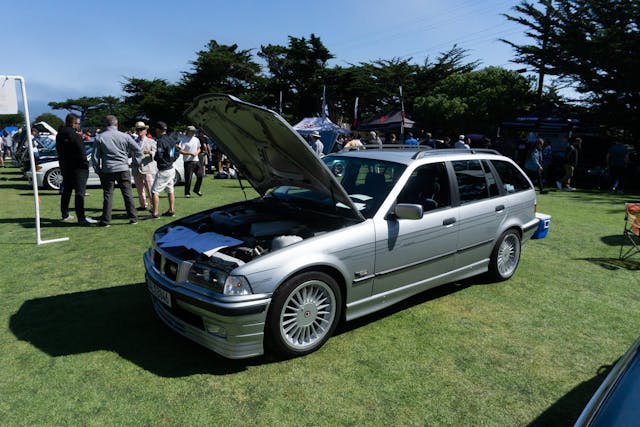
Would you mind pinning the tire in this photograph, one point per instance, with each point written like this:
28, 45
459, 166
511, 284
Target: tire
505, 256
304, 313
53, 179
176, 178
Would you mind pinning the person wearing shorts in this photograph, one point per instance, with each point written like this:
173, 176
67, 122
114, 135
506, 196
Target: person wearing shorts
164, 178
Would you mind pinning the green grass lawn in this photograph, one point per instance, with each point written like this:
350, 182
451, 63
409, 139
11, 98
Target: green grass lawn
81, 345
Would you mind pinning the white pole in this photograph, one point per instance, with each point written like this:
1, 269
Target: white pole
34, 182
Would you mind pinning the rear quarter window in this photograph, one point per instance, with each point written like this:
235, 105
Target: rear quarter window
512, 178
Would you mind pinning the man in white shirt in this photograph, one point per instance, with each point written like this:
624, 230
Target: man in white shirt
190, 148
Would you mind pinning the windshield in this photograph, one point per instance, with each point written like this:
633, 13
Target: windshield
366, 181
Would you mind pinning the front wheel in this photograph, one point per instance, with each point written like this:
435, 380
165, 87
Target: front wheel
304, 312
505, 256
53, 179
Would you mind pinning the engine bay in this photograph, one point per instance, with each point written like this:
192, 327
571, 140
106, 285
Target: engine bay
261, 225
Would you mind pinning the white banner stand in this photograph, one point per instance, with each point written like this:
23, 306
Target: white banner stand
36, 198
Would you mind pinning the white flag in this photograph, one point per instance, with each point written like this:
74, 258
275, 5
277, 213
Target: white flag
8, 100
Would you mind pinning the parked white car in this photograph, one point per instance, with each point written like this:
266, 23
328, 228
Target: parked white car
49, 174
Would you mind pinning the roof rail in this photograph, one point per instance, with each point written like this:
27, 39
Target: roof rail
424, 153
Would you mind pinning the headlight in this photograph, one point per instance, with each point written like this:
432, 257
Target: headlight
237, 285
207, 277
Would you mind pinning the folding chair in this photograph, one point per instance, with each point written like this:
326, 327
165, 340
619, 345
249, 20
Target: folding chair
631, 229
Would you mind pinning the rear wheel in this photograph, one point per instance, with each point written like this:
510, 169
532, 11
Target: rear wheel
505, 256
304, 312
53, 179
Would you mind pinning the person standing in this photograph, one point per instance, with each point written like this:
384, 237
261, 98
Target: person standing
7, 142
144, 172
461, 144
570, 163
74, 166
411, 140
617, 158
205, 153
111, 152
316, 145
533, 165
190, 148
166, 173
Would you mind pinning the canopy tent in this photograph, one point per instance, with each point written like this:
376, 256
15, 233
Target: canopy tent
10, 129
328, 130
387, 122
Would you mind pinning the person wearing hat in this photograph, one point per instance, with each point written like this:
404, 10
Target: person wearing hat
163, 181
316, 145
461, 144
145, 171
189, 147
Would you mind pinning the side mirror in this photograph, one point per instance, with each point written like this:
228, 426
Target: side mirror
408, 211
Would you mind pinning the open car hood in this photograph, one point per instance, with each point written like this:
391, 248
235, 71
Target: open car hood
266, 150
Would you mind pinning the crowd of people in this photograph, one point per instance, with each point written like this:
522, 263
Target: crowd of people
152, 167
544, 166
153, 153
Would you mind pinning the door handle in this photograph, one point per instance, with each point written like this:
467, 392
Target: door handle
499, 208
448, 221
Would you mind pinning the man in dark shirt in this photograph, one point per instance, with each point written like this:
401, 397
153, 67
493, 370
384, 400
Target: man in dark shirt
166, 173
75, 168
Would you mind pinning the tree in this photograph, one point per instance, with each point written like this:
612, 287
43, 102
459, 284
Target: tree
153, 100
592, 45
51, 119
92, 110
474, 102
220, 68
11, 120
299, 70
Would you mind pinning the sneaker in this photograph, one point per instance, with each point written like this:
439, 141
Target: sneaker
570, 188
198, 193
559, 185
142, 208
186, 196
69, 217
133, 221
88, 220
103, 224
169, 213
151, 216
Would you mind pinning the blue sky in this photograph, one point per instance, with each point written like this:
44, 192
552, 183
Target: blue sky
74, 49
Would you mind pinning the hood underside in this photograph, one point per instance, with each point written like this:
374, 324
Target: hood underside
264, 147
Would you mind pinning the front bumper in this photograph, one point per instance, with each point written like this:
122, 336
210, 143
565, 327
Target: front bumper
231, 326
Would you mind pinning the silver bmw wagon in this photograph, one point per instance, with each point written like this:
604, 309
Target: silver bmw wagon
329, 239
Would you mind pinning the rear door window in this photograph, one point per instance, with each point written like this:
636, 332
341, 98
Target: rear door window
472, 183
512, 179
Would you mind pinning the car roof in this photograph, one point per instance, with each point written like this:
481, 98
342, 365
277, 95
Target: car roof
408, 155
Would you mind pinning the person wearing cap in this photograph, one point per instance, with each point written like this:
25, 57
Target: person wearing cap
461, 144
374, 139
145, 171
316, 145
190, 149
111, 152
163, 181
74, 167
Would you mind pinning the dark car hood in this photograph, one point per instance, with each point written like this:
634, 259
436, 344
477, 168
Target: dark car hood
266, 150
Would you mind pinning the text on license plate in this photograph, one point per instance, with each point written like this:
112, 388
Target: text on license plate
161, 294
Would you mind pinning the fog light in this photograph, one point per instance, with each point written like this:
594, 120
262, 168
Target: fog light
216, 330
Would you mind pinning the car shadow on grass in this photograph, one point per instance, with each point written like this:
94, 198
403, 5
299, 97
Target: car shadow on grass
567, 409
119, 319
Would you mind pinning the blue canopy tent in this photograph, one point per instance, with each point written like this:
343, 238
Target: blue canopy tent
10, 129
328, 130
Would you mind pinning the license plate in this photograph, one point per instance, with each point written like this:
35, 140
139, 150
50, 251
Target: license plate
158, 292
